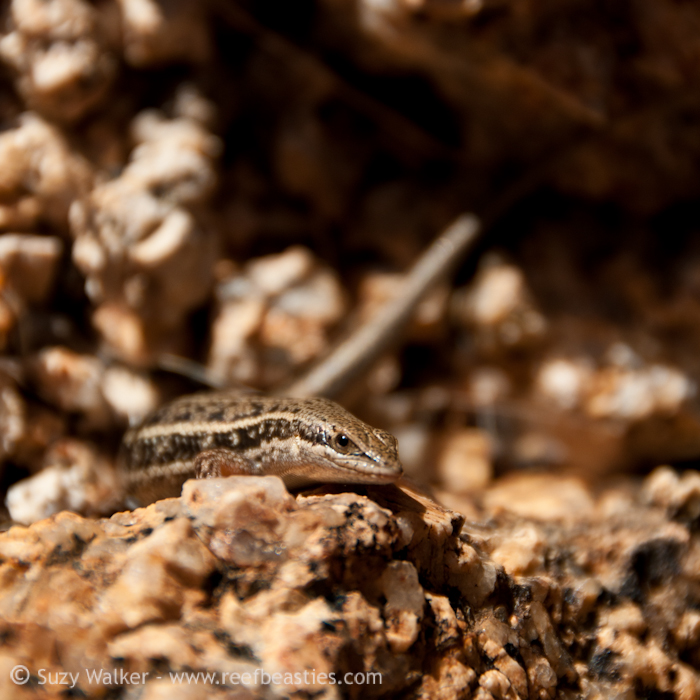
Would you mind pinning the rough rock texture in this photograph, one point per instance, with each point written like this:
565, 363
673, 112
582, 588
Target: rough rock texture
239, 577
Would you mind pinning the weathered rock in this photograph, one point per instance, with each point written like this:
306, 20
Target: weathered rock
238, 579
147, 258
42, 175
274, 316
499, 306
156, 33
74, 476
29, 264
465, 462
61, 53
234, 578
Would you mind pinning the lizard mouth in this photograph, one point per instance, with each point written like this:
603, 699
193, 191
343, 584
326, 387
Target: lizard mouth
369, 471
381, 474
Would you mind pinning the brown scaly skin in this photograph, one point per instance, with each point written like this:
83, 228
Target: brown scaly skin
302, 441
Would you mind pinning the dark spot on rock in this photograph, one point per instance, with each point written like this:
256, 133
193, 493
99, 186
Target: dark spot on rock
651, 563
337, 601
607, 597
570, 597
522, 594
62, 555
488, 662
211, 584
256, 587
501, 613
515, 654
644, 692
603, 665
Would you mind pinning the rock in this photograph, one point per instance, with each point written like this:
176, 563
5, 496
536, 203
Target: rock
639, 393
61, 55
72, 382
405, 601
74, 478
130, 395
541, 496
465, 461
13, 419
521, 553
26, 429
414, 441
274, 274
161, 575
499, 306
147, 259
274, 316
248, 517
564, 381
240, 579
155, 34
43, 175
29, 264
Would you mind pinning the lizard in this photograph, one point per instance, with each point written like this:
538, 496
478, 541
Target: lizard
213, 434
302, 437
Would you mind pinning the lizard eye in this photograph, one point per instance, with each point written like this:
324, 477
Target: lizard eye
342, 443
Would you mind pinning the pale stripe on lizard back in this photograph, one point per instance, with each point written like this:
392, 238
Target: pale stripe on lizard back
296, 439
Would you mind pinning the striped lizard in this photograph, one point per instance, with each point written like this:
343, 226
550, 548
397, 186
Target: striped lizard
302, 437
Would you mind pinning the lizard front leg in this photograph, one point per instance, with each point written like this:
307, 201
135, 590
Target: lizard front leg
210, 464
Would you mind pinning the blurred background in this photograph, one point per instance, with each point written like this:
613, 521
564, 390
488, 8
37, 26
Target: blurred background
240, 184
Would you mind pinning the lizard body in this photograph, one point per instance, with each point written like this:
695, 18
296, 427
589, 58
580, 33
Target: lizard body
220, 434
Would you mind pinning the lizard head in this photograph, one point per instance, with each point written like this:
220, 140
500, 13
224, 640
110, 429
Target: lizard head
348, 450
